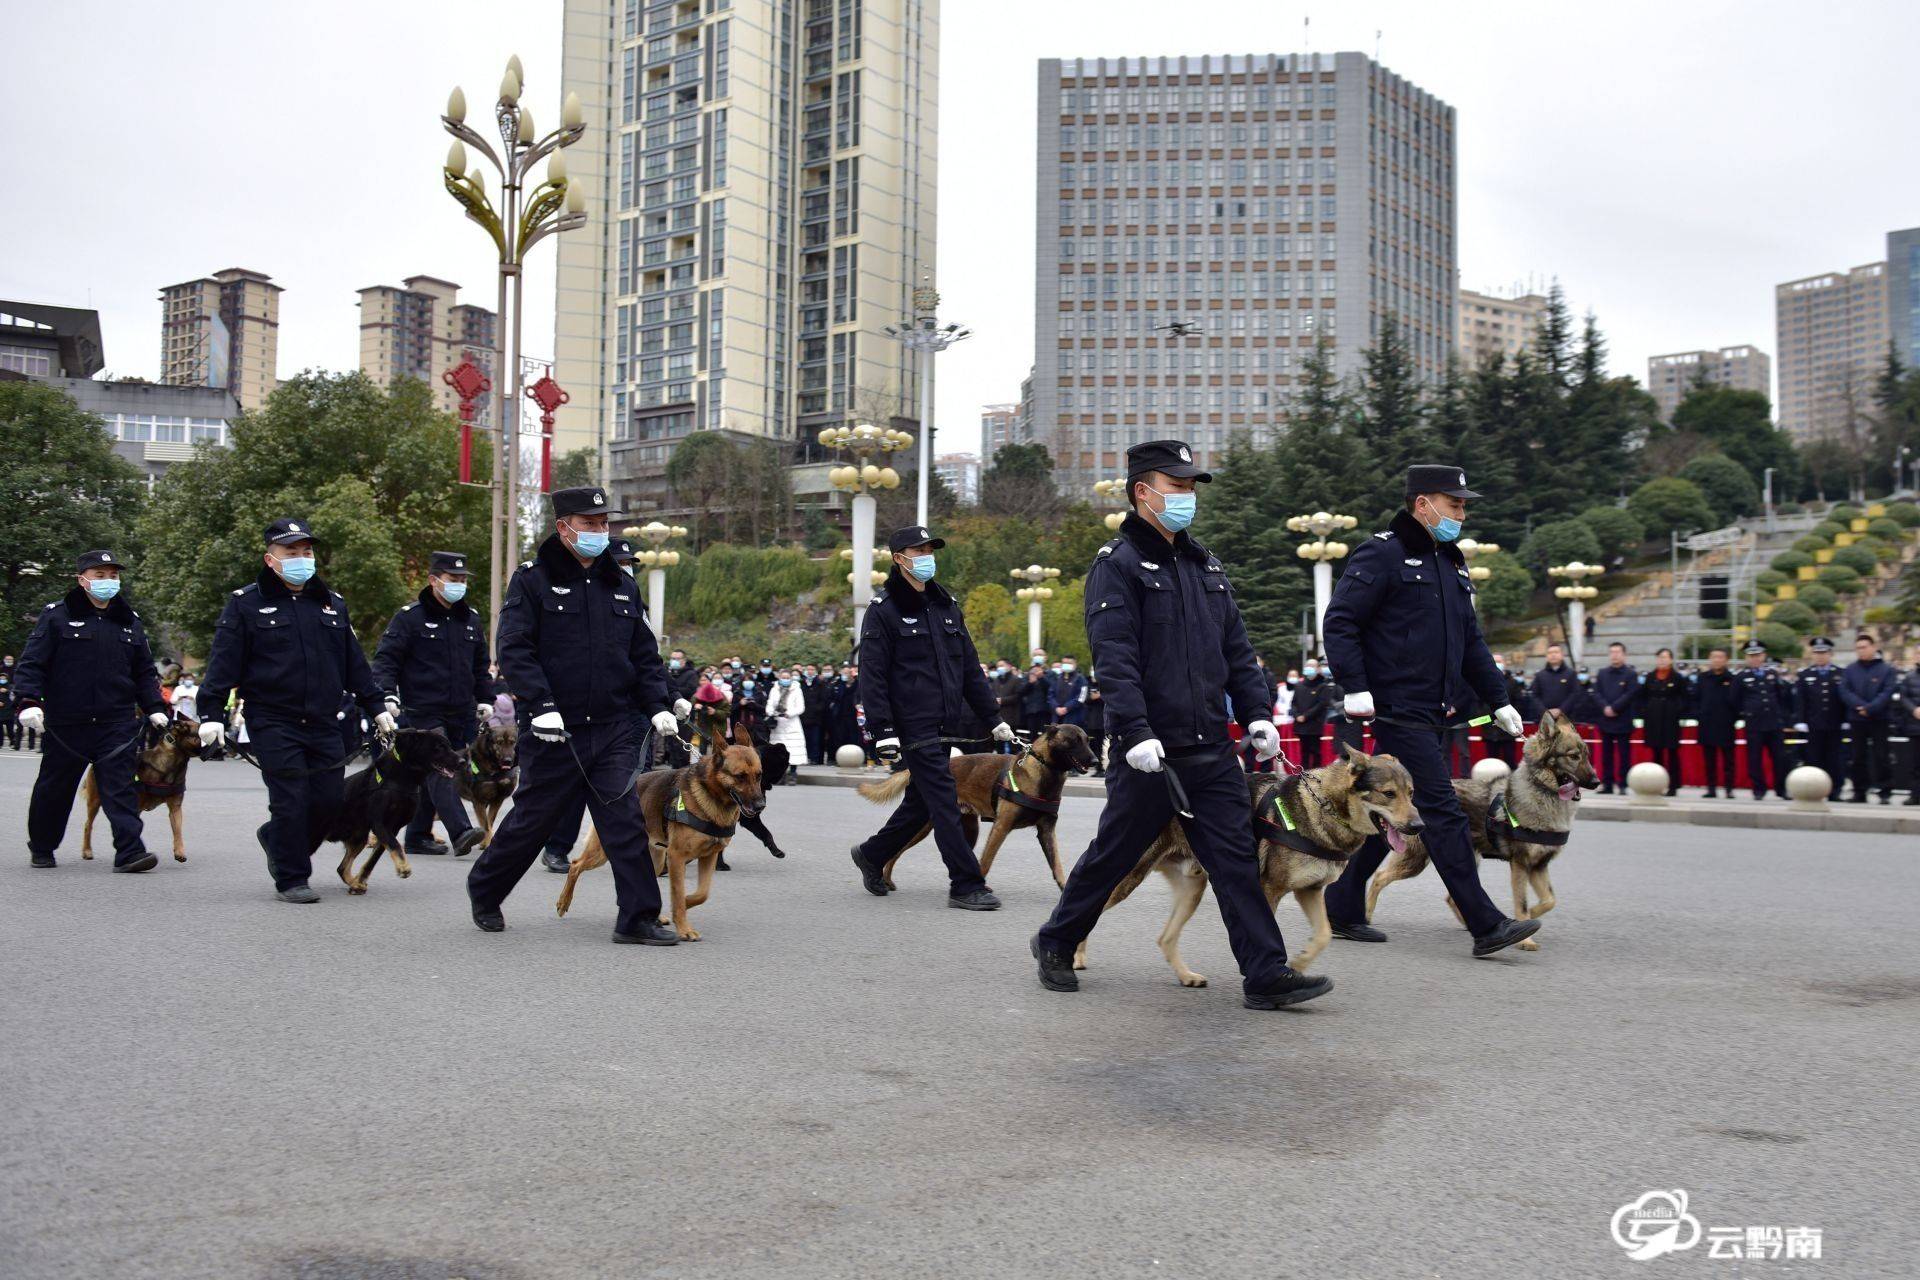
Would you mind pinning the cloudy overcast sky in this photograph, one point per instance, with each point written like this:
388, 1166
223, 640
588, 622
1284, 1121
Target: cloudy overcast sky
1668, 163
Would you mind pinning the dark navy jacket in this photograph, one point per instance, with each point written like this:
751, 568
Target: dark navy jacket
1553, 690
1868, 684
1819, 701
1069, 692
574, 639
1716, 701
1765, 701
1312, 699
434, 658
1168, 642
84, 664
919, 673
292, 657
1401, 626
1619, 688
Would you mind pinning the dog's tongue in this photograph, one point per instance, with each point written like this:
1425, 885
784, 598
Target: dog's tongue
1569, 791
1395, 841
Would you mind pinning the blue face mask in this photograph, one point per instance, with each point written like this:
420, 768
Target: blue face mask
746, 686
1178, 513
455, 592
785, 681
1310, 672
922, 567
1447, 530
589, 544
297, 569
675, 663
103, 589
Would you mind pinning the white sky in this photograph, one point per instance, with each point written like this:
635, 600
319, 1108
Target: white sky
1668, 162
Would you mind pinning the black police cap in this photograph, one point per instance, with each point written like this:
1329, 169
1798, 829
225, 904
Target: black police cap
584, 501
622, 551
1754, 646
1820, 644
1170, 457
1451, 481
287, 530
97, 560
448, 562
914, 535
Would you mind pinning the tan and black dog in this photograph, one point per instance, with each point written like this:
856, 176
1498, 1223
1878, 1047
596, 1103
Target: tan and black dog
1522, 820
377, 803
160, 778
690, 815
1307, 826
489, 772
1012, 792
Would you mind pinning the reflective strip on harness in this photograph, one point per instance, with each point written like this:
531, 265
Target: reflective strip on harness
678, 812
1284, 833
1008, 788
1497, 834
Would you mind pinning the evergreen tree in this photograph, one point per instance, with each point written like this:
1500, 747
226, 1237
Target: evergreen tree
1391, 427
1320, 465
1242, 521
1553, 340
1470, 444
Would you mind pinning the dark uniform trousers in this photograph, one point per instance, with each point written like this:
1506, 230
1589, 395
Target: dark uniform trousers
1502, 748
930, 798
1718, 760
1761, 744
566, 825
550, 786
440, 794
1221, 834
303, 763
1827, 749
61, 767
1312, 737
1449, 843
1872, 764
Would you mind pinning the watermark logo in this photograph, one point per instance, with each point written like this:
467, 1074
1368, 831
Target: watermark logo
1656, 1223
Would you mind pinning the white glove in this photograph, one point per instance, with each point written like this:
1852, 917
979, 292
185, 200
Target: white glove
1148, 756
483, 711
393, 704
665, 724
33, 719
1508, 721
549, 727
385, 722
682, 708
158, 720
213, 733
1265, 739
1801, 727
887, 749
1358, 705
1003, 732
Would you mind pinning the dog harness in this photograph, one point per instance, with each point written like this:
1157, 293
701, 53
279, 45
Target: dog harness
473, 767
158, 788
1285, 833
1007, 787
1503, 827
678, 812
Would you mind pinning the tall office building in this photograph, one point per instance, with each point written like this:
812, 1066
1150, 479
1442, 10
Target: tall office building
1494, 326
1832, 339
1268, 202
1671, 377
1903, 294
222, 330
961, 471
763, 203
999, 427
421, 330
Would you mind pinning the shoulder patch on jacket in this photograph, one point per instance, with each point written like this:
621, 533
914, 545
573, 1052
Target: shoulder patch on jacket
1384, 534
406, 608
1103, 551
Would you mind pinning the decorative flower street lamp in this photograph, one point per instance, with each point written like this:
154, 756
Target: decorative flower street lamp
1576, 593
1322, 551
1033, 593
866, 443
658, 560
1113, 491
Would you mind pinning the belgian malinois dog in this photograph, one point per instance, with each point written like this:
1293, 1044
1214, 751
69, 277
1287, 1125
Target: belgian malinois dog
160, 778
690, 815
489, 772
1012, 792
380, 800
1538, 799
1333, 809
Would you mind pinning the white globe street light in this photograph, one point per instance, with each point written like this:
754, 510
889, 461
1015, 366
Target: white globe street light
1576, 593
657, 561
1322, 551
1034, 575
865, 442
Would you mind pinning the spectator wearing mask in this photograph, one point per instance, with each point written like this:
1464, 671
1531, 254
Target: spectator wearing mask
1069, 690
1313, 699
785, 706
1616, 690
813, 719
1664, 695
1036, 700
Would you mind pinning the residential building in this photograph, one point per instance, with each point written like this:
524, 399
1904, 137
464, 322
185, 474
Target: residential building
961, 471
999, 427
1671, 377
222, 330
762, 179
421, 330
1491, 325
1832, 340
39, 341
1261, 203
1903, 294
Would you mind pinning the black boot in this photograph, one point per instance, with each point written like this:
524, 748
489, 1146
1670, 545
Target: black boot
1294, 987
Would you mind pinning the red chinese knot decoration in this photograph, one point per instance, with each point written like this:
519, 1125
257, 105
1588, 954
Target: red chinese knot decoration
469, 382
549, 395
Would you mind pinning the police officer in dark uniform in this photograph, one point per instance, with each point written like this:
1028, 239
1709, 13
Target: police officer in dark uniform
1402, 635
1764, 703
1171, 649
286, 643
1556, 684
576, 650
432, 666
1716, 705
1820, 706
1313, 698
919, 675
86, 666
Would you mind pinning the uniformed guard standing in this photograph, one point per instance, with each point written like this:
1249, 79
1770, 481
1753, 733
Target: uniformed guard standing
919, 675
1402, 637
432, 667
1716, 702
286, 643
1820, 706
1764, 703
575, 649
1170, 647
85, 668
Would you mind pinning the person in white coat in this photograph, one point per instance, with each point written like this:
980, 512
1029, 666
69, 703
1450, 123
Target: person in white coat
785, 705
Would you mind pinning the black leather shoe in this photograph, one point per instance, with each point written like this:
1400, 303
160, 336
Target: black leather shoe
653, 933
427, 849
260, 834
1359, 931
871, 876
978, 900
46, 859
468, 838
555, 860
298, 893
145, 862
1294, 987
489, 920
1056, 970
1856, 799
1508, 933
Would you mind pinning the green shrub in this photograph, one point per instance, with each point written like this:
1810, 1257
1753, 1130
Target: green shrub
1845, 511
1618, 529
1842, 578
1818, 597
1857, 558
1560, 542
1882, 615
1792, 613
1730, 491
1827, 528
1671, 505
1812, 543
1507, 590
1884, 527
1882, 549
1781, 641
1904, 514
729, 584
1788, 508
1790, 562
1768, 579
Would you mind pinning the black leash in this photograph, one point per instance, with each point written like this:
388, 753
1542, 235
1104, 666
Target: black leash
1427, 725
1176, 792
138, 737
241, 753
638, 769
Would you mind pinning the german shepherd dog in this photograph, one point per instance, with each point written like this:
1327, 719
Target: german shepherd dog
1039, 773
160, 778
719, 789
1540, 796
489, 771
1336, 807
380, 800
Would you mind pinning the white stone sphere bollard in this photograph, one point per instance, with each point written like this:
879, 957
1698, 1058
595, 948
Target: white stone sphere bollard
1647, 783
849, 756
1490, 770
1808, 787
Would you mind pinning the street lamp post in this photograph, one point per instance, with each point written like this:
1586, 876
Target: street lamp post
1469, 548
924, 334
1033, 593
658, 560
523, 218
1322, 551
1576, 593
860, 478
1113, 491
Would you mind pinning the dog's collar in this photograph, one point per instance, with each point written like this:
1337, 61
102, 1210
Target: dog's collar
1007, 787
1503, 827
678, 812
1283, 832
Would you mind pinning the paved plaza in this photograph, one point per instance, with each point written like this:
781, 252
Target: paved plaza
201, 1081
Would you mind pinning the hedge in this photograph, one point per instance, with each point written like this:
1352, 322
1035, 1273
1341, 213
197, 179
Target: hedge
1811, 543
1841, 578
1790, 562
1818, 597
1905, 514
1883, 527
1857, 558
1791, 613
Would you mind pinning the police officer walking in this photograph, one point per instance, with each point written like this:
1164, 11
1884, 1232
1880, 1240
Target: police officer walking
1171, 648
85, 668
286, 643
1820, 706
919, 675
1764, 701
1402, 636
577, 652
432, 666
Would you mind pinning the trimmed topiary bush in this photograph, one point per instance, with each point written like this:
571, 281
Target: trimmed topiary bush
1617, 528
1842, 578
1789, 508
1883, 527
1845, 511
1857, 558
1827, 528
1811, 543
1780, 641
1904, 514
1791, 613
1882, 615
1790, 562
1818, 597
1768, 579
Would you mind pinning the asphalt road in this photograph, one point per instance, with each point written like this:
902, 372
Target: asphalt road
202, 1081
